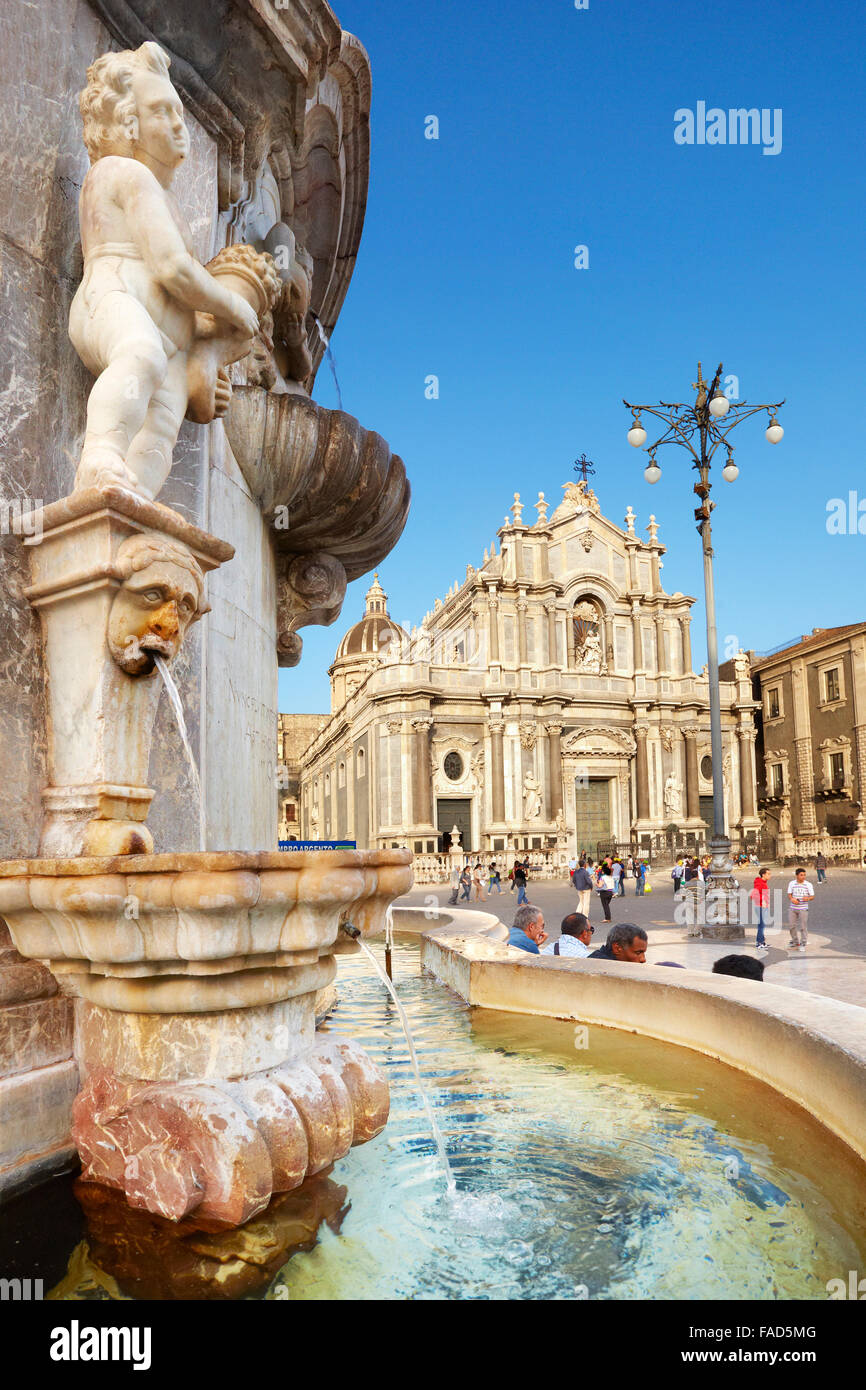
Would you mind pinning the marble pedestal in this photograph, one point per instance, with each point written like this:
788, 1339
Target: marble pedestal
101, 718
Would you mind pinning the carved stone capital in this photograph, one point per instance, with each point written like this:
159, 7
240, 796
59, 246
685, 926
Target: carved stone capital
310, 589
421, 723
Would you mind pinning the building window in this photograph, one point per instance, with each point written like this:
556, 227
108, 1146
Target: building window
453, 767
837, 769
774, 708
341, 775
832, 690
777, 779
707, 769
327, 784
361, 763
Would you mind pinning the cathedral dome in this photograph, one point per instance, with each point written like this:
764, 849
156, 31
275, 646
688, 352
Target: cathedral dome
376, 634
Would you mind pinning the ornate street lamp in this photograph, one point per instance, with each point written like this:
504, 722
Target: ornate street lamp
701, 429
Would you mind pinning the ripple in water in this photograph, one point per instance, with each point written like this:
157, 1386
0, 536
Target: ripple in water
630, 1170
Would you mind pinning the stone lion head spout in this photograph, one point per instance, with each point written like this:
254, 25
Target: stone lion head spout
161, 593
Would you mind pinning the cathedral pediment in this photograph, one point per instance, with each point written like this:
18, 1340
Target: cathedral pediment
606, 742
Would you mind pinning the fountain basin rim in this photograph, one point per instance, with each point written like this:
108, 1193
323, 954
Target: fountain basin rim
204, 861
809, 1048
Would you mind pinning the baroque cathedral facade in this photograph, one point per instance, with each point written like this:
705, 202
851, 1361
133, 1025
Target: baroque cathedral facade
548, 699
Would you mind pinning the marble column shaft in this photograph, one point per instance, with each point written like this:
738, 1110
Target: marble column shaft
747, 781
693, 802
643, 804
554, 743
423, 774
521, 632
497, 773
685, 627
493, 625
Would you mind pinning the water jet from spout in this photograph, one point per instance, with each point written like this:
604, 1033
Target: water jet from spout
177, 705
413, 1057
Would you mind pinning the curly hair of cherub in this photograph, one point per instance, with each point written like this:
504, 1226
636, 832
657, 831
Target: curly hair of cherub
107, 103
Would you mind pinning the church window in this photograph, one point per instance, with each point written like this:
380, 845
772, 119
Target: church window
453, 767
707, 768
361, 763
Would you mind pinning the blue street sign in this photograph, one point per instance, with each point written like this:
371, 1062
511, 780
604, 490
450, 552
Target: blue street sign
296, 845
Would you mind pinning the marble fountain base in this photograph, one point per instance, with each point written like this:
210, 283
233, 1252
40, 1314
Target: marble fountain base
204, 1087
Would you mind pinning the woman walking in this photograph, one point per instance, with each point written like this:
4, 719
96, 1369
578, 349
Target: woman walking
606, 889
760, 895
520, 882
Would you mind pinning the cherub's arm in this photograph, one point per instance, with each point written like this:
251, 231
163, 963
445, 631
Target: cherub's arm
158, 239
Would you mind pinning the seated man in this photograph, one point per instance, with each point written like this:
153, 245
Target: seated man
528, 932
745, 966
624, 942
576, 937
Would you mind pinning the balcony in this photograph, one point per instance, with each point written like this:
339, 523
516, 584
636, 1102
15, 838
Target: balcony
833, 789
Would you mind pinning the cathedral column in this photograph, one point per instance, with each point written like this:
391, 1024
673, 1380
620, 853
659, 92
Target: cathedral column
637, 638
642, 768
685, 628
493, 624
497, 769
521, 631
608, 642
747, 778
550, 610
422, 770
660, 642
554, 749
570, 659
693, 802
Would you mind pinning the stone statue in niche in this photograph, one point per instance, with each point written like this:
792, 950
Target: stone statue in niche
673, 797
155, 327
531, 798
588, 656
162, 593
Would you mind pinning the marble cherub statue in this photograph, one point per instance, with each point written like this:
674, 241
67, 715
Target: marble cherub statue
161, 594
145, 301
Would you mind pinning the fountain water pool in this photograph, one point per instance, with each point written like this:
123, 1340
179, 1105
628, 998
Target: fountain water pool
629, 1170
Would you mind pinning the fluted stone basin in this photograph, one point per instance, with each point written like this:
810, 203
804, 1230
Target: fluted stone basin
345, 492
204, 1087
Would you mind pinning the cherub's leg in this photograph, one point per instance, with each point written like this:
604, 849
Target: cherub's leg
123, 335
150, 452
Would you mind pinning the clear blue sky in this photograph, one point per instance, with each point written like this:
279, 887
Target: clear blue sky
556, 129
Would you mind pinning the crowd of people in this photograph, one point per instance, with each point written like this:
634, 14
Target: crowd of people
607, 880
477, 882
